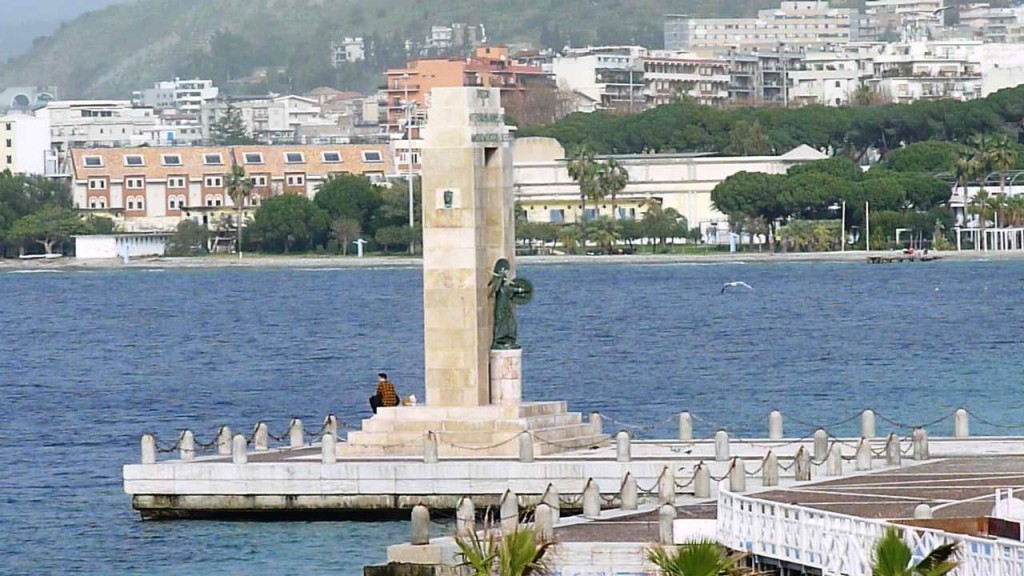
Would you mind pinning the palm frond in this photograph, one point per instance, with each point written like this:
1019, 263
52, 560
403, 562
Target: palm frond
939, 561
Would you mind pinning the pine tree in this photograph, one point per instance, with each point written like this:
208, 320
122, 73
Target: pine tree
230, 129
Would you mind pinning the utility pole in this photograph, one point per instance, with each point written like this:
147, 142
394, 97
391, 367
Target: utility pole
867, 227
842, 230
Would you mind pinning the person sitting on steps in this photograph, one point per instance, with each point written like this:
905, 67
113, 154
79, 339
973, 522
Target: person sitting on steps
385, 396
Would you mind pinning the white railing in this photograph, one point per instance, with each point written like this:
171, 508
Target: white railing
841, 544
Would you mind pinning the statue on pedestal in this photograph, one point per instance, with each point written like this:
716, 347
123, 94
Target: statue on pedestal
508, 293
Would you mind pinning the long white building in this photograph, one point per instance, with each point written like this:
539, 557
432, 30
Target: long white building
24, 144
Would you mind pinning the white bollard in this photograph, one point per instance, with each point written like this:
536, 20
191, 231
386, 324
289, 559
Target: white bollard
893, 456
685, 427
328, 452
820, 444
224, 441
721, 446
187, 445
552, 499
666, 520
509, 511
701, 482
596, 424
667, 486
622, 451
591, 500
770, 470
420, 522
775, 426
867, 424
834, 467
331, 425
628, 497
525, 447
430, 448
923, 512
261, 437
737, 476
864, 455
465, 518
920, 444
961, 424
239, 449
296, 435
802, 465
544, 523
148, 449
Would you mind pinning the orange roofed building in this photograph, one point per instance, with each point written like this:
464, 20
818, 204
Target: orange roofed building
153, 189
490, 66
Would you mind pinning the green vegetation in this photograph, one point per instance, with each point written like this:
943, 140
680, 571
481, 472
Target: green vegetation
35, 211
892, 557
699, 558
520, 553
190, 238
851, 132
230, 129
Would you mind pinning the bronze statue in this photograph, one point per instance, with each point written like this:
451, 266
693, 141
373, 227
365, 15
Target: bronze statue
508, 293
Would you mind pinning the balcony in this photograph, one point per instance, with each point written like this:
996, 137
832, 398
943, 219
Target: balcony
401, 87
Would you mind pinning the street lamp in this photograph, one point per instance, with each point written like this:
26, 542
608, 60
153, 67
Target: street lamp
408, 150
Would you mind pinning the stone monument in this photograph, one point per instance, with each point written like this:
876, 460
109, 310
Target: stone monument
473, 354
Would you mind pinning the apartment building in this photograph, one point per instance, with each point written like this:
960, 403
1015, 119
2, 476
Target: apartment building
824, 78
928, 70
794, 24
273, 118
405, 94
97, 123
182, 96
154, 188
671, 75
348, 51
605, 77
24, 144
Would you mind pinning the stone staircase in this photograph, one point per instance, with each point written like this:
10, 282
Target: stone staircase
472, 431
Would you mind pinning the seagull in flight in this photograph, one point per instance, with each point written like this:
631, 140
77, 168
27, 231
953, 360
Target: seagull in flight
737, 284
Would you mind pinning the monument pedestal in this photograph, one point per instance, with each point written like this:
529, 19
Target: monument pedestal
506, 377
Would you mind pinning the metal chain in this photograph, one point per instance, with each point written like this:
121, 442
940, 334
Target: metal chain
994, 424
905, 426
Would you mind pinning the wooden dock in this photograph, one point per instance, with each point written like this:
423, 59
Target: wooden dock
902, 257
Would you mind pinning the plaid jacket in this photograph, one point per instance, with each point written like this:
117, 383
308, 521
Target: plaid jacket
387, 394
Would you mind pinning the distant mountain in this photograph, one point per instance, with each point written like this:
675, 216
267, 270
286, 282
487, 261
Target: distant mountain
25, 20
109, 52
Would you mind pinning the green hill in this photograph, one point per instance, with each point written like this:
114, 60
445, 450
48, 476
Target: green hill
110, 52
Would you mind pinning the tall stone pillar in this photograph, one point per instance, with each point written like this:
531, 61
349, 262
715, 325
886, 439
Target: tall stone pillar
468, 224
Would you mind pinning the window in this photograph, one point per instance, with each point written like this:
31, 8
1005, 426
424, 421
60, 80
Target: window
258, 181
10, 143
213, 160
372, 156
135, 183
253, 158
131, 202
295, 179
331, 157
97, 184
294, 158
134, 160
172, 159
172, 203
92, 161
176, 182
214, 182
10, 159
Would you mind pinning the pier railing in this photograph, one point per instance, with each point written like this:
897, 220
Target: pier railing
843, 544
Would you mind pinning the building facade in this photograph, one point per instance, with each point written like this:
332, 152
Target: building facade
610, 77
182, 96
153, 188
97, 123
671, 75
24, 144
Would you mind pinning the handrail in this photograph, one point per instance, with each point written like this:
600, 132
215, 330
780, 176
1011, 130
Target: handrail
843, 544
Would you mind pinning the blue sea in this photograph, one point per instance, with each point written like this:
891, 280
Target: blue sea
91, 360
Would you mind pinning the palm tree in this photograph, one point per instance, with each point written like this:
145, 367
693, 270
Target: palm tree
1013, 214
613, 179
602, 231
892, 557
520, 553
963, 170
1002, 156
569, 238
698, 558
983, 206
585, 171
239, 189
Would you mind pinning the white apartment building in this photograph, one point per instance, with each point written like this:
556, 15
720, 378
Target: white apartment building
668, 75
605, 77
794, 24
184, 96
97, 123
996, 25
349, 50
928, 70
824, 78
24, 144
271, 118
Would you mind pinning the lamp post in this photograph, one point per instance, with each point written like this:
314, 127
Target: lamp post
408, 158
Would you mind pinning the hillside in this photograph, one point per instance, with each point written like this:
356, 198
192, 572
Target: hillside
110, 52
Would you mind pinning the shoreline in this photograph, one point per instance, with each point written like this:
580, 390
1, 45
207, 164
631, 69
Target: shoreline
326, 262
